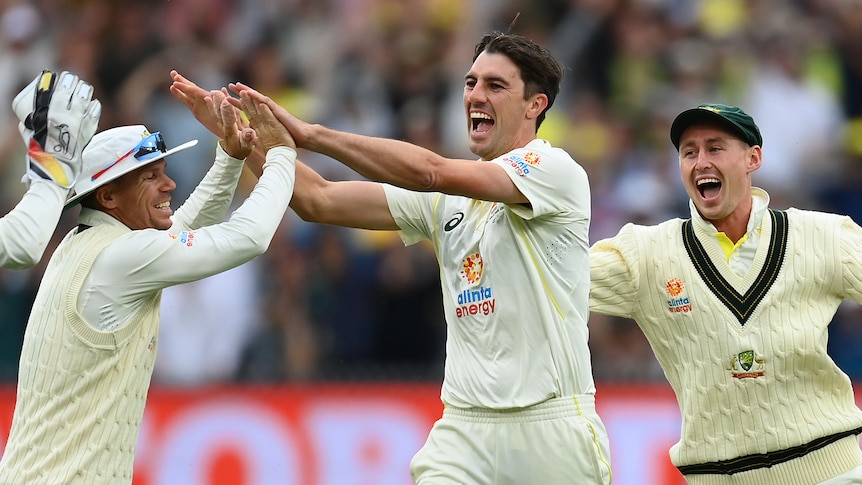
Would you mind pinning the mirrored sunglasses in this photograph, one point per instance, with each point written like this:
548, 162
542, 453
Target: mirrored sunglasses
150, 147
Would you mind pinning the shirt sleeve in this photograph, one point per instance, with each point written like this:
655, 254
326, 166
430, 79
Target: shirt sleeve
27, 229
851, 258
141, 262
209, 202
413, 212
614, 274
551, 180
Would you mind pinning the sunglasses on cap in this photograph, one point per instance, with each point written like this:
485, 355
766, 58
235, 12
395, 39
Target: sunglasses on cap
150, 147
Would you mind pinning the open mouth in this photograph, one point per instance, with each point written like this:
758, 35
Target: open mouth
164, 205
481, 122
709, 188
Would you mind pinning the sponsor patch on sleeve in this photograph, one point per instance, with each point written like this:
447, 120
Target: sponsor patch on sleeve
522, 164
186, 238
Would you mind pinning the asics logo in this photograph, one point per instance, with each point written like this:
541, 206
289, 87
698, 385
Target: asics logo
453, 222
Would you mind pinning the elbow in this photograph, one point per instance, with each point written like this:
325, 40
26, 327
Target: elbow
261, 245
25, 259
258, 244
303, 211
428, 179
427, 182
21, 263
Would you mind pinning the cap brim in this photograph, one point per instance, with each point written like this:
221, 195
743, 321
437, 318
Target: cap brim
113, 175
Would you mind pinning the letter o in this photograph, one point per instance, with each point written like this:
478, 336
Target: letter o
257, 435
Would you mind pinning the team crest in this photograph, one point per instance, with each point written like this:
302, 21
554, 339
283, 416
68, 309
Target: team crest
747, 364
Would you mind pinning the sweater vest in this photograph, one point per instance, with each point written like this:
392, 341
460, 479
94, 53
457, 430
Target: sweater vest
81, 391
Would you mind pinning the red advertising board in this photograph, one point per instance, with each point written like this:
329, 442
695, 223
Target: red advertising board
363, 434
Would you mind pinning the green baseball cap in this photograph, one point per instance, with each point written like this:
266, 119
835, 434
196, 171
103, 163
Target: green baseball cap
731, 117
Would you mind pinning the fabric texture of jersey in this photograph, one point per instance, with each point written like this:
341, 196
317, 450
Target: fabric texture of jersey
745, 354
514, 280
50, 441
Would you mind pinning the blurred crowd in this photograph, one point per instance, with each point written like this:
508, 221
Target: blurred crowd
327, 303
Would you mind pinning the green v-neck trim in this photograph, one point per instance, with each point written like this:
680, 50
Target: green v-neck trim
742, 306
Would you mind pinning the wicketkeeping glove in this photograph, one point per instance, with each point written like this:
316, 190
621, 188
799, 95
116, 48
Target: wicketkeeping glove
58, 117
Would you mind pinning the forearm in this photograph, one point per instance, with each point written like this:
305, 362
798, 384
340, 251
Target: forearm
27, 229
211, 199
384, 160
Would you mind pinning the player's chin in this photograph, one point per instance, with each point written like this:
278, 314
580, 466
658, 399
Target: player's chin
163, 223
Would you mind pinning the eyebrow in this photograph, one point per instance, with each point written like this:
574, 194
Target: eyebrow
488, 79
710, 140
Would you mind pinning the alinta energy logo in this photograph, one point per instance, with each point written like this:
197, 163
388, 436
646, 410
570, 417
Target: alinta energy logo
186, 238
677, 303
474, 301
522, 164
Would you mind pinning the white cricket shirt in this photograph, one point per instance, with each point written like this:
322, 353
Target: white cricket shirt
515, 281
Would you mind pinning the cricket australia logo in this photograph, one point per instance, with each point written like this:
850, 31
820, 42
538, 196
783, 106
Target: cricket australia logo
678, 302
747, 364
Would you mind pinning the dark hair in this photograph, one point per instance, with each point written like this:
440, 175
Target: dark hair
540, 72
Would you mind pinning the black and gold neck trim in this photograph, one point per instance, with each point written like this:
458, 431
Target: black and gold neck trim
741, 305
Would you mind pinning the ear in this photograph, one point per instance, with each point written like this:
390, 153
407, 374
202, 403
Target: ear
538, 103
755, 158
106, 196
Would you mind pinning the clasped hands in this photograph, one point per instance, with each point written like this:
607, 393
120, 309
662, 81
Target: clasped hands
266, 124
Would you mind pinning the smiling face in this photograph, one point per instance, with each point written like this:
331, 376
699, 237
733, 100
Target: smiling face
140, 199
499, 119
716, 168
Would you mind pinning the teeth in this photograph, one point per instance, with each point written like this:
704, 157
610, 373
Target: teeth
707, 181
163, 205
479, 116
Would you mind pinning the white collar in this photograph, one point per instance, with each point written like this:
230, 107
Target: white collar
759, 205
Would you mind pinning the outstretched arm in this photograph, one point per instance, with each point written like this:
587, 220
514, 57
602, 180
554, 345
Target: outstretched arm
315, 199
396, 162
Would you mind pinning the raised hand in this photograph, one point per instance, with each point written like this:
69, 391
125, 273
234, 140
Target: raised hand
296, 127
195, 99
239, 139
270, 131
57, 118
219, 117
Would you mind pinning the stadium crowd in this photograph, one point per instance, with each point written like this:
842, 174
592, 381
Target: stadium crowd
326, 303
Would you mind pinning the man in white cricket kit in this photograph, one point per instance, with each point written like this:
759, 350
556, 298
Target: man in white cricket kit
511, 236
92, 336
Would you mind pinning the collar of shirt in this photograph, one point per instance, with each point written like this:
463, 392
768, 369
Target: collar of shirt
93, 217
739, 256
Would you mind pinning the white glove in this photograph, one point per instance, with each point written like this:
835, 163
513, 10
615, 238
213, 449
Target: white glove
58, 117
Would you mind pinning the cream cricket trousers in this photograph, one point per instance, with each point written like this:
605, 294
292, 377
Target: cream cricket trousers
561, 441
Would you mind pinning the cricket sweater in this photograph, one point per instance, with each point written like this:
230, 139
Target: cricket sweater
53, 440
761, 401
